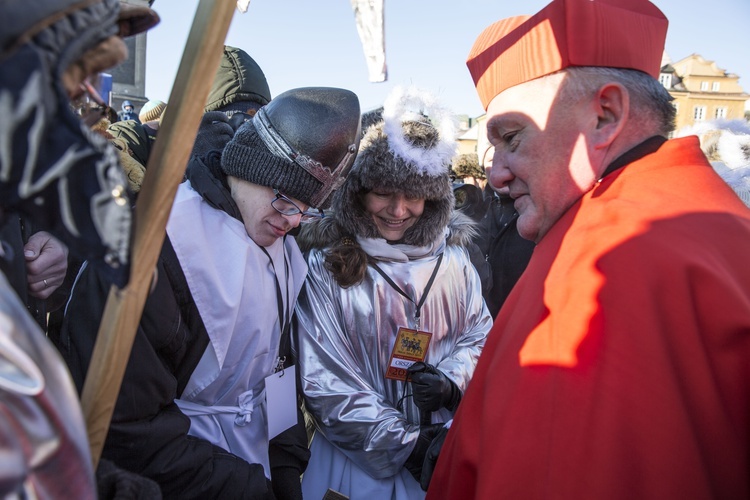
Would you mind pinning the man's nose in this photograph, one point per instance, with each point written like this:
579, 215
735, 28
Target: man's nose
500, 175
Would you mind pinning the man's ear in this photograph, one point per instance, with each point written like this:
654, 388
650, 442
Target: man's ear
612, 106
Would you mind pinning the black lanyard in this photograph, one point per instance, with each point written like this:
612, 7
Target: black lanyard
284, 315
399, 290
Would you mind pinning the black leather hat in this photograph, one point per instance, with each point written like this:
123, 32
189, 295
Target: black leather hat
303, 143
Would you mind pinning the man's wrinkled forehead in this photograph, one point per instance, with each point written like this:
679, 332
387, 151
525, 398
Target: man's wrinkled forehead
528, 103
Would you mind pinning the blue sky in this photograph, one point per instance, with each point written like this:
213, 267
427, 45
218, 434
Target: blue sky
301, 43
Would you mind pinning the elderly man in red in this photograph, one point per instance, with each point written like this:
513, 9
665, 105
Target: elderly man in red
619, 366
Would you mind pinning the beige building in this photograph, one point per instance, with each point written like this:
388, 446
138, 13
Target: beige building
467, 139
702, 91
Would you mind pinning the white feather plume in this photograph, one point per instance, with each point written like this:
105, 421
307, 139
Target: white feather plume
728, 142
413, 104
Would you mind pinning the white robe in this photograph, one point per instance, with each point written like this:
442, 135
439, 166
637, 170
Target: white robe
233, 284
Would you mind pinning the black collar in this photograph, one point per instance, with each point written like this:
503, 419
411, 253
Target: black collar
650, 145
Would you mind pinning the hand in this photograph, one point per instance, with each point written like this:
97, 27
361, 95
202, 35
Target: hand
415, 462
114, 482
46, 264
214, 133
431, 457
431, 388
237, 119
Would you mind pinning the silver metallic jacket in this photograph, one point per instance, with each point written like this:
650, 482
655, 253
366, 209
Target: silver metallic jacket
345, 341
44, 451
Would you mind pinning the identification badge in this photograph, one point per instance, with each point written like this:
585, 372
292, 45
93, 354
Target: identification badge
281, 401
410, 347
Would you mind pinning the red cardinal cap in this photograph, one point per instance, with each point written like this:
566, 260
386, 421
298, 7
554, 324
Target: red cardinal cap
626, 34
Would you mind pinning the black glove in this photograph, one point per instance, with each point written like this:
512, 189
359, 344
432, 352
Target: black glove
114, 482
237, 119
269, 495
286, 483
431, 457
416, 460
214, 132
431, 388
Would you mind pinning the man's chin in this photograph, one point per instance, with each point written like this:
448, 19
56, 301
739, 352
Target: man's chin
528, 230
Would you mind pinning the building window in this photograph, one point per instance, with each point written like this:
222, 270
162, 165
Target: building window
666, 80
721, 112
699, 113
715, 86
704, 86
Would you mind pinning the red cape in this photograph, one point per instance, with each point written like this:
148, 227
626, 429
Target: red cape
619, 366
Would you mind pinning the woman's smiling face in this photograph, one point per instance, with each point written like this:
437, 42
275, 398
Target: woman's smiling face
393, 213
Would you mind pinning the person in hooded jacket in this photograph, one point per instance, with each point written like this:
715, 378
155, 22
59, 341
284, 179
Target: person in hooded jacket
53, 170
127, 113
505, 252
240, 86
192, 413
392, 320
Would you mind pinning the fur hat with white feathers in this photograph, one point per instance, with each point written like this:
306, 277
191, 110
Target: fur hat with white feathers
409, 151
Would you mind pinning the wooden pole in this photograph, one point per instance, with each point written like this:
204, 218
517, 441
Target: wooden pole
164, 172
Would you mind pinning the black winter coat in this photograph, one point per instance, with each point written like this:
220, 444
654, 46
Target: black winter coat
149, 434
506, 252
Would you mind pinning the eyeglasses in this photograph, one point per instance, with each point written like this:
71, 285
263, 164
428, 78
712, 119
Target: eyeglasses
285, 206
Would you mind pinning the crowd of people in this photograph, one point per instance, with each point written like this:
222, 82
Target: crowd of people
331, 315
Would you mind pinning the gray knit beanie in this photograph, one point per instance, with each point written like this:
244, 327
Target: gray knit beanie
152, 110
303, 143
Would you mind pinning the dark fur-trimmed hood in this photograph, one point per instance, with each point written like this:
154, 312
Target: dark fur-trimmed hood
378, 166
324, 232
